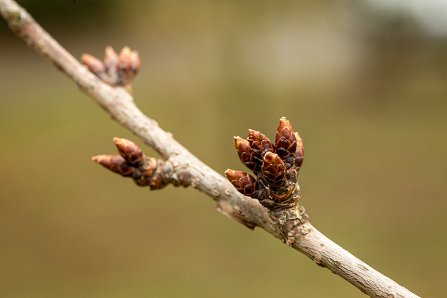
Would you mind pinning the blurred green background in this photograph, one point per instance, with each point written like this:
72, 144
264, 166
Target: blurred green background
365, 85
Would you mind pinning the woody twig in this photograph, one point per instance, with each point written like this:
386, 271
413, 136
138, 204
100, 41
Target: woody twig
182, 168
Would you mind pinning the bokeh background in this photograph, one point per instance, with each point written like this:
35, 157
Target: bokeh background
363, 81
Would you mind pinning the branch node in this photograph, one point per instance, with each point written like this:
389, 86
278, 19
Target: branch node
14, 20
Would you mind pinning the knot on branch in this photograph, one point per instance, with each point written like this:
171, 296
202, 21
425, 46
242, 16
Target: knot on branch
144, 170
275, 167
116, 69
290, 222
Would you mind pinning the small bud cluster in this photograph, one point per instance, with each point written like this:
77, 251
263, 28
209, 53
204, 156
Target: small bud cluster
131, 162
275, 166
116, 69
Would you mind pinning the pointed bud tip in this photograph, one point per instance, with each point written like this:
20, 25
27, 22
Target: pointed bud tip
129, 150
231, 175
97, 158
229, 172
121, 143
270, 156
253, 133
135, 61
117, 139
93, 64
109, 50
116, 163
284, 123
239, 140
286, 141
107, 159
110, 57
241, 145
234, 174
85, 57
272, 159
125, 51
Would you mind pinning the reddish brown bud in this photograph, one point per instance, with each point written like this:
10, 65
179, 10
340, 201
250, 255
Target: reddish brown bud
129, 151
246, 154
242, 181
135, 62
93, 64
115, 163
259, 143
145, 171
299, 153
124, 60
128, 64
110, 58
273, 171
286, 142
124, 54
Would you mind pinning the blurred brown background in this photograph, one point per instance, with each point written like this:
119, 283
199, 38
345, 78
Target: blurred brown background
364, 82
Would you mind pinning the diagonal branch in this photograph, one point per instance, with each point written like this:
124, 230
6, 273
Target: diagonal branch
120, 105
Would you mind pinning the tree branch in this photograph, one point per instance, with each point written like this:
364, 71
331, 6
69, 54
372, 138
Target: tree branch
120, 105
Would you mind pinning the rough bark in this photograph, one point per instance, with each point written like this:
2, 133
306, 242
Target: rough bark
189, 170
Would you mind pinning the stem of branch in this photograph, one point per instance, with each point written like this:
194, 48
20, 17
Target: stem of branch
119, 104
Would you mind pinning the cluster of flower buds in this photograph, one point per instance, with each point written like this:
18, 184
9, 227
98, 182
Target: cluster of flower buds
275, 166
131, 162
117, 69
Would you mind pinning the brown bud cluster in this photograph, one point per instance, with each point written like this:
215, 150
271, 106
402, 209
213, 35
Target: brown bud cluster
117, 69
131, 162
275, 166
